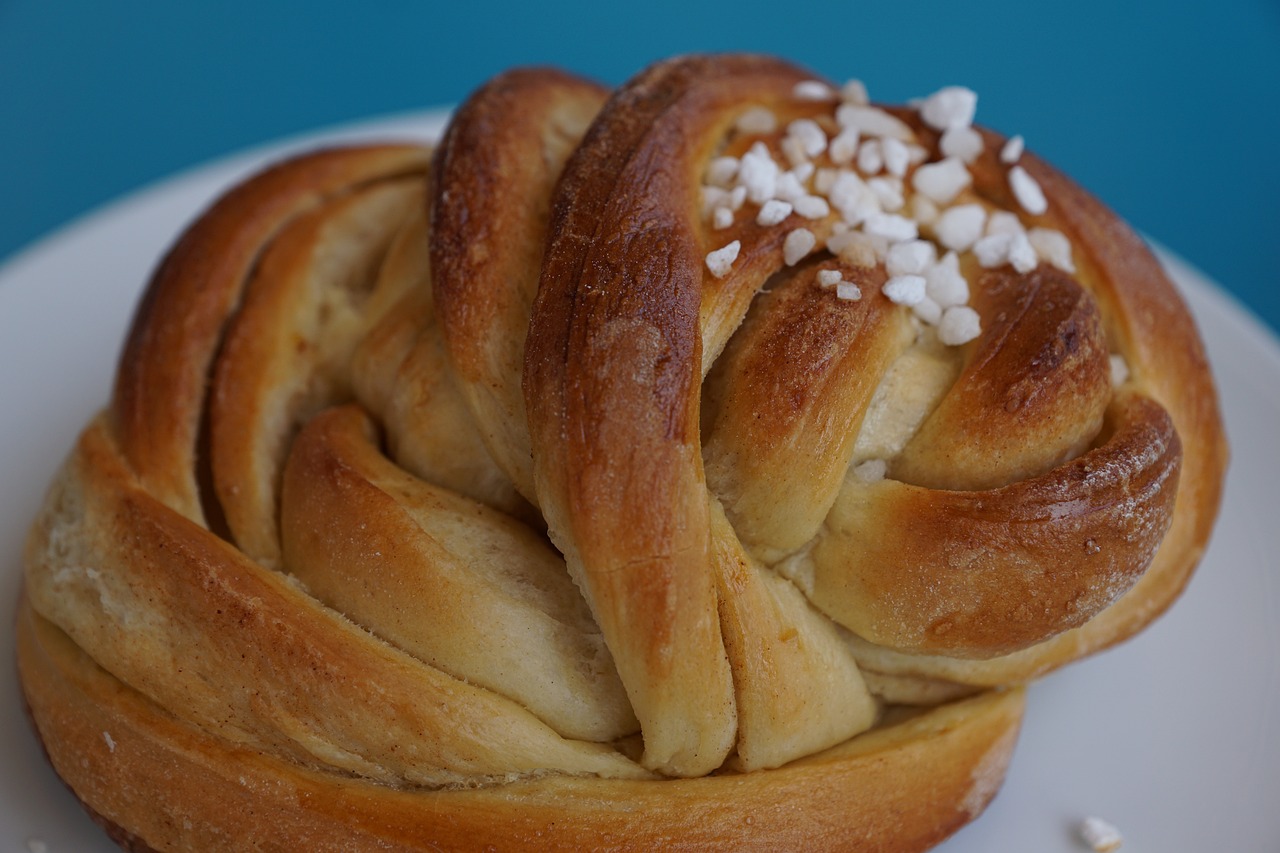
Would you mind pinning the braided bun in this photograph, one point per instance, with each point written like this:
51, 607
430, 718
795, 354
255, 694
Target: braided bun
705, 464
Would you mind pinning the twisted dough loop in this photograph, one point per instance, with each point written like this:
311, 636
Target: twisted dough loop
306, 540
614, 362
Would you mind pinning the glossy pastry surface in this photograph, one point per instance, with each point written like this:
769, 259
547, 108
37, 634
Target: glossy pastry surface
613, 472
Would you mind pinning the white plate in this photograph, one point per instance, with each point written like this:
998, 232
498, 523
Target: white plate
1173, 736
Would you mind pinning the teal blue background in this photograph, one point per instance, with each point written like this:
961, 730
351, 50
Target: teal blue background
1168, 111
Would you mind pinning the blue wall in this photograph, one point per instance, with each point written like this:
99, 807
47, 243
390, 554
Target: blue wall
1165, 110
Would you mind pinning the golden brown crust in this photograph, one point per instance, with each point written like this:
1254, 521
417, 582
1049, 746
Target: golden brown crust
222, 797
802, 366
425, 600
1005, 568
488, 230
463, 501
160, 388
284, 354
1146, 323
245, 652
1032, 391
614, 360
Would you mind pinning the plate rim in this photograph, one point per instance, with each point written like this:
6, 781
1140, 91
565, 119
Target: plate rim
1200, 290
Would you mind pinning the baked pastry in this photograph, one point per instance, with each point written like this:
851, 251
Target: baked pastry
705, 464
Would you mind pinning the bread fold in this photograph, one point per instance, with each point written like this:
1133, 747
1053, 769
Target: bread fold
631, 470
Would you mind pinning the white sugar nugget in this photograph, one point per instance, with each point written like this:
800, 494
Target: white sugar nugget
891, 226
1022, 255
993, 250
996, 250
944, 283
1004, 222
1012, 150
959, 325
720, 262
721, 171
844, 146
854, 92
959, 227
758, 172
928, 311
858, 248
790, 186
888, 191
850, 195
870, 157
952, 106
1053, 247
896, 156
811, 206
772, 212
1027, 191
1119, 370
793, 150
812, 138
872, 121
961, 142
905, 289
1100, 835
757, 120
941, 182
798, 244
911, 257
848, 291
813, 90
